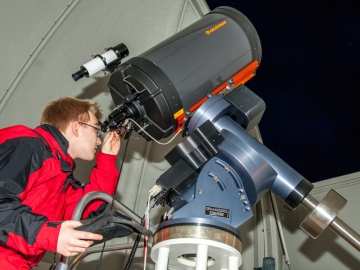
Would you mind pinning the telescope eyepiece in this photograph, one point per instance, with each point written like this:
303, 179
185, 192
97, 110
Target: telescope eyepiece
80, 74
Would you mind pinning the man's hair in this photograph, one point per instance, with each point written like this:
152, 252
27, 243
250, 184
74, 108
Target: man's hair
61, 112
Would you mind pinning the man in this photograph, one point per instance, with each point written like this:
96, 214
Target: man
37, 186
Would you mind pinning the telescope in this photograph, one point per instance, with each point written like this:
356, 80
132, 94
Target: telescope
194, 83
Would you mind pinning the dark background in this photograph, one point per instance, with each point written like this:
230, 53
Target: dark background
309, 80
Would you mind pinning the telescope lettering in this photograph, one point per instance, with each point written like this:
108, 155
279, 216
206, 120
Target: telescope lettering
208, 32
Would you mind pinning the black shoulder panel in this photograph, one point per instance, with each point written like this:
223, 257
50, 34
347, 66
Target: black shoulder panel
18, 159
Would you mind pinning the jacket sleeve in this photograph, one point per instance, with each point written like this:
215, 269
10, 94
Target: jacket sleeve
20, 228
103, 178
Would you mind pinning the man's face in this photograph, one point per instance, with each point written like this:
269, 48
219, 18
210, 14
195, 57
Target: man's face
88, 139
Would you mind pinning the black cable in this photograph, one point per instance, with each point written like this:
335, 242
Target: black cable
134, 248
101, 255
113, 199
122, 163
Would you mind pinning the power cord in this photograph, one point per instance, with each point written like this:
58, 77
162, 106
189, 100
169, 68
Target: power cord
143, 130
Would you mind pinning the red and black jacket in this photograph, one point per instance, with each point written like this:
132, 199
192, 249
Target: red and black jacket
38, 189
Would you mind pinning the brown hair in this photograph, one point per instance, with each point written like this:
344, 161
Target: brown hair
61, 112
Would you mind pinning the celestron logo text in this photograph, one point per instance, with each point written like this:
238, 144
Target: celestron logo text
208, 32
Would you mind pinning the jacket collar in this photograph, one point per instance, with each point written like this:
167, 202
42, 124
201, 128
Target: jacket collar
60, 139
57, 141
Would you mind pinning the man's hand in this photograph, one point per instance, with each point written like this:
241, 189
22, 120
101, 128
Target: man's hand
111, 143
72, 242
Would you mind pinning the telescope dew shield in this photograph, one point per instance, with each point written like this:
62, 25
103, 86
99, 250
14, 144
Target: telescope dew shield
170, 78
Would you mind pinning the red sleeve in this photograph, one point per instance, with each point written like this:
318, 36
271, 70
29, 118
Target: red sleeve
103, 178
46, 239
